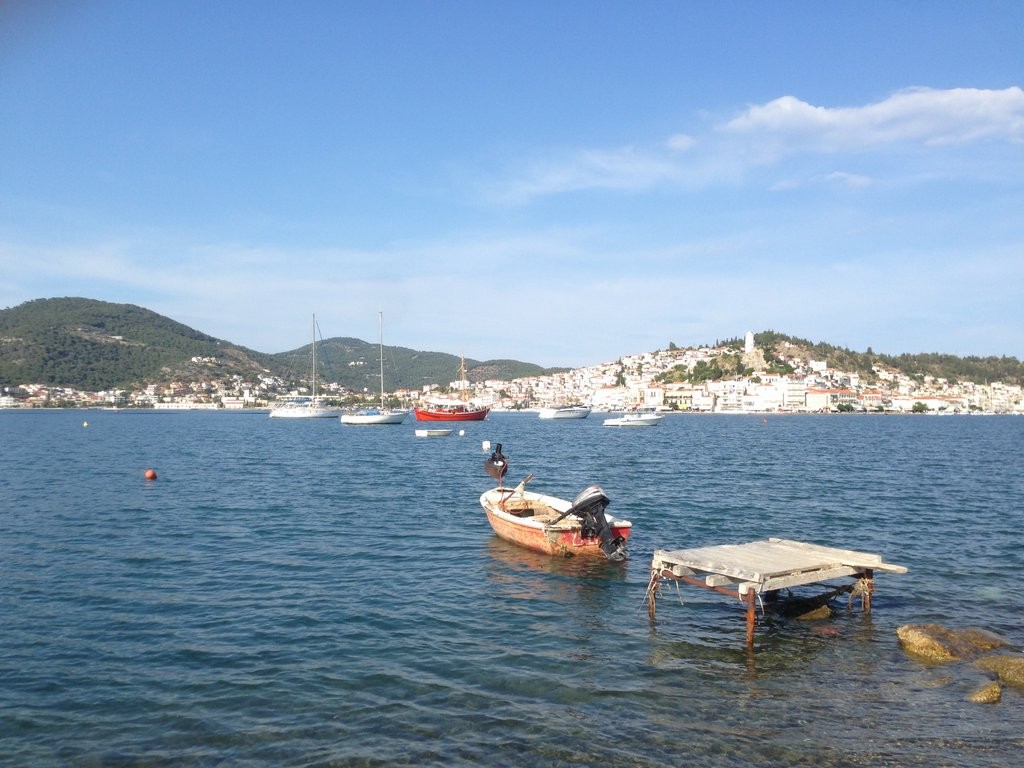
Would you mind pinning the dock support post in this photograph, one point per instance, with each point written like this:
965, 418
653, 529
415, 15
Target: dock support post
749, 599
652, 588
865, 601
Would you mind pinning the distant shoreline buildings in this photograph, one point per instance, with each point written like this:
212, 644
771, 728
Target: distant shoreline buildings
633, 381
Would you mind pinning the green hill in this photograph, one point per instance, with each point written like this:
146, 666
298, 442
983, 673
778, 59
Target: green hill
355, 364
96, 345
980, 370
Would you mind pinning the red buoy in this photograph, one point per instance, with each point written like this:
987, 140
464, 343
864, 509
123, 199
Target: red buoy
151, 474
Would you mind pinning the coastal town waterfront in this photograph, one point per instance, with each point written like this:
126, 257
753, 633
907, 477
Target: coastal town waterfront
792, 383
299, 593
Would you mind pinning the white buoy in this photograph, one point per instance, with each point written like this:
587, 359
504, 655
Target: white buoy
486, 445
462, 433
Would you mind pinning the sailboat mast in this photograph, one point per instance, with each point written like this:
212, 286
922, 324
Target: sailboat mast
314, 358
380, 320
463, 381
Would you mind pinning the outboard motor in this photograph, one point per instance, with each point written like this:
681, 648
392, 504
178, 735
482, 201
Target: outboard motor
497, 465
589, 506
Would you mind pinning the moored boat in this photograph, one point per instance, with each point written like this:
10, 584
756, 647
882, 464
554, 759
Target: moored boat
556, 526
565, 412
452, 410
634, 420
303, 407
433, 432
374, 416
382, 415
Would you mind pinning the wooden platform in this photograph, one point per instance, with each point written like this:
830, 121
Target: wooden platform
746, 570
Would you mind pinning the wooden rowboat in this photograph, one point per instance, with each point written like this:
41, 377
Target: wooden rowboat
556, 526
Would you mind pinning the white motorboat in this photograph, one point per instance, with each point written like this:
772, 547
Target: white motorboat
380, 415
566, 412
634, 420
303, 407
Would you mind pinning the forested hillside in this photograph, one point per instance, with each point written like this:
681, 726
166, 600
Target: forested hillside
96, 345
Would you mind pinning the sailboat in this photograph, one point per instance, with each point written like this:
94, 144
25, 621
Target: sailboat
380, 415
301, 407
452, 410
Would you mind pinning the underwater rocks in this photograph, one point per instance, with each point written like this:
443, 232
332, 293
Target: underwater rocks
931, 642
938, 645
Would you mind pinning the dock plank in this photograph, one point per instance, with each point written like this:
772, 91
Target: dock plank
773, 563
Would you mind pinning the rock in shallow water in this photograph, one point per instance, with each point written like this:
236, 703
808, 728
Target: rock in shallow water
934, 643
1009, 668
990, 693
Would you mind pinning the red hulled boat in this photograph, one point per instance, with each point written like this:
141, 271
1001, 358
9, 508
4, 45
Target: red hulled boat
453, 410
549, 524
450, 412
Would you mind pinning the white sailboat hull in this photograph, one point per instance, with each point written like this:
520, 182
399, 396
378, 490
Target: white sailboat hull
303, 411
380, 417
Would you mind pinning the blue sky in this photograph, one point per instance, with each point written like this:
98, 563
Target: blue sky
557, 182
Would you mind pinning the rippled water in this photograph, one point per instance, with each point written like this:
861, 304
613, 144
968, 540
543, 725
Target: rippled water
309, 594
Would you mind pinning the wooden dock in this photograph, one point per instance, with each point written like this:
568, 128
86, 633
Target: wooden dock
747, 570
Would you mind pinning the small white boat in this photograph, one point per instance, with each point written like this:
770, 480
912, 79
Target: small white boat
380, 415
302, 407
566, 412
374, 416
634, 420
433, 432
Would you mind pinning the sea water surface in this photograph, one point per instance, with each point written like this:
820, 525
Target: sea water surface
303, 593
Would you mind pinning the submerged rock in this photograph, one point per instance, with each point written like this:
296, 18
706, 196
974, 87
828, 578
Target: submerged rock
990, 693
1009, 668
816, 614
934, 643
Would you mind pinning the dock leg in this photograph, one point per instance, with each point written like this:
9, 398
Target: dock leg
652, 588
865, 601
751, 613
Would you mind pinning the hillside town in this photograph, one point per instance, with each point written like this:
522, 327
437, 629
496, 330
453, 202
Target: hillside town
631, 382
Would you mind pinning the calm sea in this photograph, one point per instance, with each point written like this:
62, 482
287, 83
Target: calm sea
293, 593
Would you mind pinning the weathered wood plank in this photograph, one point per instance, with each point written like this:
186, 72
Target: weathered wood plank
773, 562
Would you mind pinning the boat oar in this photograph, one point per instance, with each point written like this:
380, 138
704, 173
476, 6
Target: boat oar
564, 515
520, 489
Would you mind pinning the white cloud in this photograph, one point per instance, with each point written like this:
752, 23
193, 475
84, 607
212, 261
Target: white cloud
681, 142
835, 178
786, 127
920, 115
623, 169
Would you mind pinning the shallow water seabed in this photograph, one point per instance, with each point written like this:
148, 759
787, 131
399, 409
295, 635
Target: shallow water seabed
297, 593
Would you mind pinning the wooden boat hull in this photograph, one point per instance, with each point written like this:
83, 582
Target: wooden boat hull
527, 519
471, 414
